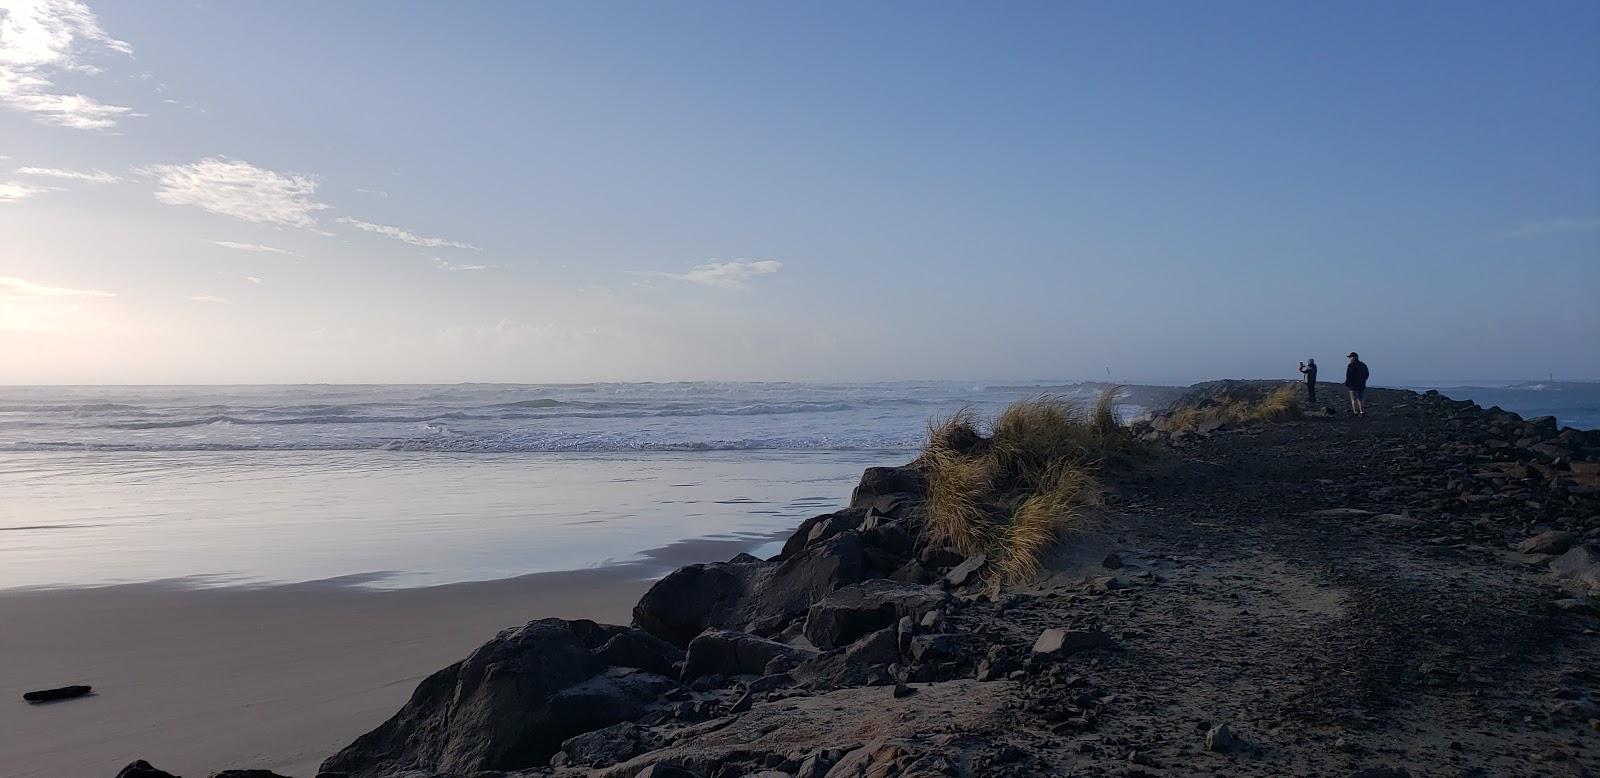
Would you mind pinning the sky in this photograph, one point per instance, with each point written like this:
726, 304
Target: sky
1164, 192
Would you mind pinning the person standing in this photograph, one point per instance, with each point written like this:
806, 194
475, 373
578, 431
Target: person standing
1355, 379
1309, 368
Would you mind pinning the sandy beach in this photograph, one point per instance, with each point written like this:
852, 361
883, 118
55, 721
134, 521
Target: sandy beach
201, 680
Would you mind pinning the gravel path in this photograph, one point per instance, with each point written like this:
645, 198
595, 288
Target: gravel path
1298, 583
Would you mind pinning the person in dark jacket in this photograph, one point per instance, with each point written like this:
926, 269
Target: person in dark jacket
1309, 368
1355, 379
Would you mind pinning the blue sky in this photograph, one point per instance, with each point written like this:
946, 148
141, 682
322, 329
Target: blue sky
375, 191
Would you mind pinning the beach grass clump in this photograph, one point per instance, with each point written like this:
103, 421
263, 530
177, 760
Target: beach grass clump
1280, 403
1009, 494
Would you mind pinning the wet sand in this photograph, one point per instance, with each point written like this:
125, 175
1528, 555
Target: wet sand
201, 680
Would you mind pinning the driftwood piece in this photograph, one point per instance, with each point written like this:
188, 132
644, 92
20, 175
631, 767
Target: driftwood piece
61, 693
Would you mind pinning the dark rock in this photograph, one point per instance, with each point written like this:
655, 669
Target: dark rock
142, 769
938, 557
1580, 567
247, 774
729, 596
665, 771
873, 759
821, 528
1381, 772
887, 489
767, 683
1057, 642
860, 664
932, 649
878, 648
1112, 561
594, 635
901, 690
744, 702
640, 649
1544, 425
996, 664
1574, 605
727, 652
892, 538
1552, 542
845, 615
59, 693
1219, 738
912, 572
507, 706
681, 605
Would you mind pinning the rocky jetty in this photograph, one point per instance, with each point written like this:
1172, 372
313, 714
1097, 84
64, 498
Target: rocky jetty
1412, 592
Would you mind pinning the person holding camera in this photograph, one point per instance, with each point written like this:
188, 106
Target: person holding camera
1309, 368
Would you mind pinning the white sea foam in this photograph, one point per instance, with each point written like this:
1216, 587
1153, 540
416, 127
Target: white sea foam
493, 418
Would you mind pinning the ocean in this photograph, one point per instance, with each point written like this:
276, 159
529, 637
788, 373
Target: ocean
399, 486
395, 486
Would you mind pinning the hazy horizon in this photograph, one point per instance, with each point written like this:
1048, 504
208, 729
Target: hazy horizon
368, 192
1022, 383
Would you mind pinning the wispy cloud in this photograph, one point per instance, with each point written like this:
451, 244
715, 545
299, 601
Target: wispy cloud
444, 264
1552, 227
734, 274
17, 287
253, 279
239, 189
14, 191
378, 193
40, 40
208, 298
92, 177
404, 235
255, 247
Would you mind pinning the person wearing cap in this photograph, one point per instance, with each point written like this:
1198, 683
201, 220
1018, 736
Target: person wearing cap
1309, 368
1355, 379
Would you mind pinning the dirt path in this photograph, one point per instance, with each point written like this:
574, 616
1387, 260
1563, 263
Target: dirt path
1267, 583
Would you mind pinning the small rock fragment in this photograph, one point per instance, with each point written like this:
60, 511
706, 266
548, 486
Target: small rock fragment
1055, 642
1219, 738
960, 574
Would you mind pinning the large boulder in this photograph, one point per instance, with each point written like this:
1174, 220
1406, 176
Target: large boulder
726, 652
759, 597
888, 490
507, 706
692, 598
855, 610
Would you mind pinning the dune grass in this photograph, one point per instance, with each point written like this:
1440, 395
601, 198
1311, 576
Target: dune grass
1009, 494
1281, 403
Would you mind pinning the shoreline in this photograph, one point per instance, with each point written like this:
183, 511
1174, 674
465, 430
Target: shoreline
204, 679
298, 667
